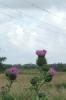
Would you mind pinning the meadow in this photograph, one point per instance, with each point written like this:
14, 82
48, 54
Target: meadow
21, 88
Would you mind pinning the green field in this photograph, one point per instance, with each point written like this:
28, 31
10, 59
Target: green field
21, 87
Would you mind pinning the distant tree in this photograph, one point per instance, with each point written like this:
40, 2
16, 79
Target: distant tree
2, 59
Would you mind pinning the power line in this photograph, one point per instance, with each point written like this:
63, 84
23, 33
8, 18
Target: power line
43, 9
33, 17
48, 23
41, 28
39, 39
36, 6
42, 21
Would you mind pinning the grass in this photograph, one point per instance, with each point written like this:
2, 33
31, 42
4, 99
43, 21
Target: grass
20, 89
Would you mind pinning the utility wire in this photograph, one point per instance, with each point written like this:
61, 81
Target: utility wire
40, 27
54, 31
53, 26
30, 16
43, 9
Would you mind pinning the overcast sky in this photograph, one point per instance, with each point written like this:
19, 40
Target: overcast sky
28, 25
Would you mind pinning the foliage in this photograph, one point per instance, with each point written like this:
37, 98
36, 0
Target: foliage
46, 74
44, 78
41, 61
2, 59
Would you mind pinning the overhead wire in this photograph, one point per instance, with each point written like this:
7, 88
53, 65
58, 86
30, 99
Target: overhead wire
45, 22
43, 9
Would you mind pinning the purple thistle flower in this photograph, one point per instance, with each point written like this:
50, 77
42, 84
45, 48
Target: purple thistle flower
40, 52
52, 72
11, 73
13, 70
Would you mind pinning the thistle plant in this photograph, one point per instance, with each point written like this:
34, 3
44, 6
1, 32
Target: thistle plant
44, 77
11, 75
41, 57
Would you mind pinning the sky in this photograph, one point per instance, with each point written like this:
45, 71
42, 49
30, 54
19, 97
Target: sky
30, 25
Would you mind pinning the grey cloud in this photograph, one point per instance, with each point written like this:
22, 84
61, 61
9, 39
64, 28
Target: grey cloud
50, 34
60, 4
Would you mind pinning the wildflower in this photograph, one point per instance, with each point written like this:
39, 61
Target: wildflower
13, 70
11, 73
40, 52
52, 72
